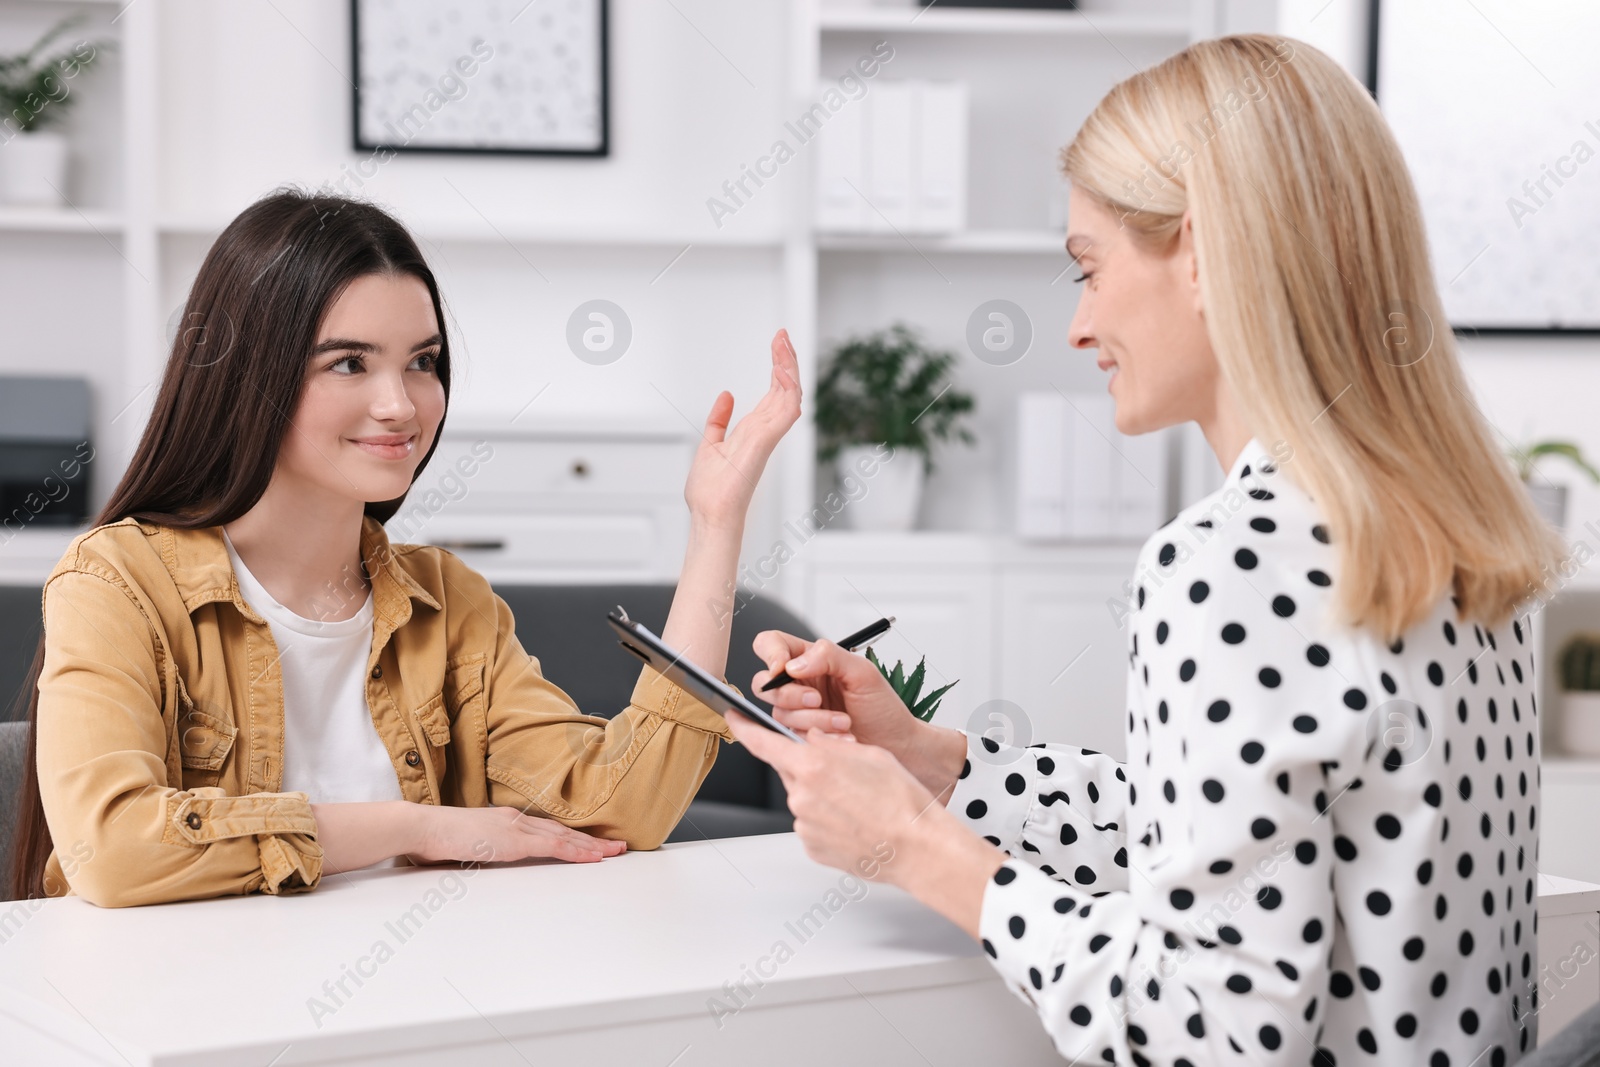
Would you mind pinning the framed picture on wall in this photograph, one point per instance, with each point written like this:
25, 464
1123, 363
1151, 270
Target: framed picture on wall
525, 77
1500, 138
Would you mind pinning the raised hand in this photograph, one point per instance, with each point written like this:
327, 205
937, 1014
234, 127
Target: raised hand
728, 463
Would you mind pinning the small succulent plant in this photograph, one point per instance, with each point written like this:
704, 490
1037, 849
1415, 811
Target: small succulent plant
909, 686
1580, 664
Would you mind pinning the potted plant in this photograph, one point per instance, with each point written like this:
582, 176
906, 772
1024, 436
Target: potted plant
1580, 695
1551, 500
886, 397
909, 687
34, 95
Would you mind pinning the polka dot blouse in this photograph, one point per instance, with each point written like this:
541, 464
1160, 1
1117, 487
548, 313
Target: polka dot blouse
1322, 848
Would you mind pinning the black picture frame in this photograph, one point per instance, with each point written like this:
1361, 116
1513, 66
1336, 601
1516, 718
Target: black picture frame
1374, 45
601, 150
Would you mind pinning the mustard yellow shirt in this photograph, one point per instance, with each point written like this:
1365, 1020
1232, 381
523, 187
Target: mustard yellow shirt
160, 720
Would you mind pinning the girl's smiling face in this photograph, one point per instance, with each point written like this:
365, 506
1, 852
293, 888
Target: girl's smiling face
373, 399
1141, 308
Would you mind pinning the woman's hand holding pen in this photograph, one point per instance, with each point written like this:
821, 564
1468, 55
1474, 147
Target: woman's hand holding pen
841, 692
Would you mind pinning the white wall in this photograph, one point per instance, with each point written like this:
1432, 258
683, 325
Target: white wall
253, 94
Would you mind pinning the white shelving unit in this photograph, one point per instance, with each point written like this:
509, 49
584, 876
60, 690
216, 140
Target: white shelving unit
996, 613
141, 227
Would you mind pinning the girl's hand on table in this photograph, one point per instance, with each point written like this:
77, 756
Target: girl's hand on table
501, 834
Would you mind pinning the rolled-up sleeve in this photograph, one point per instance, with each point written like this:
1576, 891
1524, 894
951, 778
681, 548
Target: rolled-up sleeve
103, 748
629, 778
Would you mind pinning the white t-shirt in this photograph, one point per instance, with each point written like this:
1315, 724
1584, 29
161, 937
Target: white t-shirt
331, 750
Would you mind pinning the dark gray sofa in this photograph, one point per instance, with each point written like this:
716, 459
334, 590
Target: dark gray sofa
565, 627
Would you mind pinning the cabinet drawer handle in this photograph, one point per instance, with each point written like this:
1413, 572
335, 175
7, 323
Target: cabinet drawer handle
494, 545
580, 469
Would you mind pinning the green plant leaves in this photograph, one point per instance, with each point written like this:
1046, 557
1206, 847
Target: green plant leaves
909, 687
888, 388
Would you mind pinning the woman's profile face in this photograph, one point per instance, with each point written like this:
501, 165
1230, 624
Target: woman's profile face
1142, 310
372, 400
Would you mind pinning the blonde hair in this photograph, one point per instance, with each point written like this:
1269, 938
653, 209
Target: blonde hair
1322, 311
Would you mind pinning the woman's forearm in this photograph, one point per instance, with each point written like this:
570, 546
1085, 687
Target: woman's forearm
946, 866
934, 755
356, 835
699, 623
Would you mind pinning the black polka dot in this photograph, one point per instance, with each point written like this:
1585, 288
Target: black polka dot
1182, 899
1199, 591
1018, 926
1246, 559
1233, 633
1212, 789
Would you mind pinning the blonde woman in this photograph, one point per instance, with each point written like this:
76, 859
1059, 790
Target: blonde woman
1322, 847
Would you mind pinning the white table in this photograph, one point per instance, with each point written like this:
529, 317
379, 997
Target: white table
621, 962
608, 963
1569, 951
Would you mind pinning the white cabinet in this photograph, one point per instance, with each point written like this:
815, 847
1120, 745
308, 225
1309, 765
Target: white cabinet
1027, 629
1062, 657
570, 500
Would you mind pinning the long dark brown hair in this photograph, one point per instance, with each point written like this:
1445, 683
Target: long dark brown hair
229, 392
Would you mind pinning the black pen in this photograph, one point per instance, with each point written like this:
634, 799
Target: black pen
849, 644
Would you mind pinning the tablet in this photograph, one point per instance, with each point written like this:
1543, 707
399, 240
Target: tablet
710, 691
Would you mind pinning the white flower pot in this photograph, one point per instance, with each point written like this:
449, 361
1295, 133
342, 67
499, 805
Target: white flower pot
1579, 723
889, 489
1551, 502
33, 168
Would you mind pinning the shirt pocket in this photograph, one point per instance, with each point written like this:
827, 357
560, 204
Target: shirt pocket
463, 690
204, 741
433, 727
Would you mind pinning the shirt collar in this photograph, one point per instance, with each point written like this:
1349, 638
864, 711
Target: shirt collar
1252, 456
203, 572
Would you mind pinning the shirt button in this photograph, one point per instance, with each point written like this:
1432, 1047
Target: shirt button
193, 820
413, 758
377, 672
